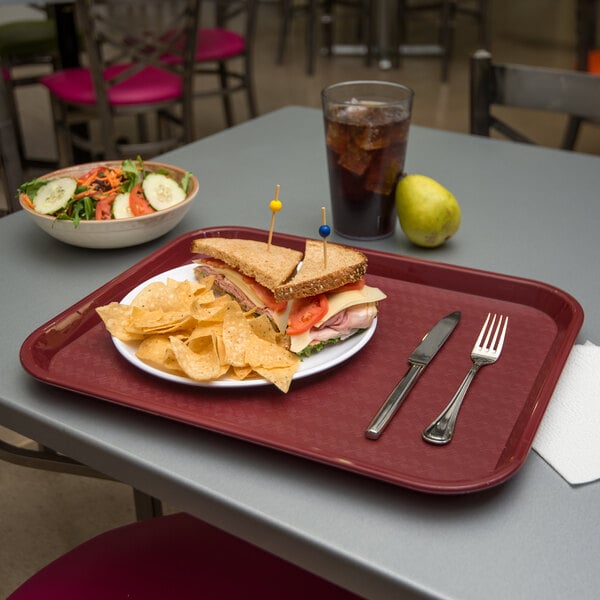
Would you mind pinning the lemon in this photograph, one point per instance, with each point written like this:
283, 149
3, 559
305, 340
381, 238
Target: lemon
429, 214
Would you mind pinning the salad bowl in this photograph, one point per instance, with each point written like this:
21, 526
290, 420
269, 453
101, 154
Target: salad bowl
115, 232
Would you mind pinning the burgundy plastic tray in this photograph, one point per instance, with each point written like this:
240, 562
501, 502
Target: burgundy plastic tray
323, 417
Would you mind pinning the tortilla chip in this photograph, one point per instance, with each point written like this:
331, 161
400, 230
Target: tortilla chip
157, 351
241, 373
211, 310
184, 328
203, 365
237, 334
281, 377
116, 319
171, 295
159, 321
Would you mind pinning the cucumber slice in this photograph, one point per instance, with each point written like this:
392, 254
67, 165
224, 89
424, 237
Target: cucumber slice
54, 195
162, 191
121, 208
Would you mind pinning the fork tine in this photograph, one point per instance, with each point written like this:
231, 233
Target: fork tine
489, 331
496, 332
482, 332
501, 342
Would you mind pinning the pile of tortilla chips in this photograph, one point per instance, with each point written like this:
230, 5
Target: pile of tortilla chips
184, 329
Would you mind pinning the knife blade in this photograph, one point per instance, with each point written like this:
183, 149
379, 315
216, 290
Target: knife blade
421, 356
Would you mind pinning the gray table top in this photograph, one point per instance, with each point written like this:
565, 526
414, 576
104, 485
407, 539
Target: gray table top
527, 211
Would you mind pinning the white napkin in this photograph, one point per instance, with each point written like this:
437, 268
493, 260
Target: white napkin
568, 438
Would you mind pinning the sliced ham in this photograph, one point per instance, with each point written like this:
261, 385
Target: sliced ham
346, 323
227, 286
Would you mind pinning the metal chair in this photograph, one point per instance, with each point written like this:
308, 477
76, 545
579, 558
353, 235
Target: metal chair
447, 12
326, 13
26, 43
11, 173
588, 57
141, 56
556, 90
175, 556
225, 51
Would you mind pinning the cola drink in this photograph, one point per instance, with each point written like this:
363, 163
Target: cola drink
366, 149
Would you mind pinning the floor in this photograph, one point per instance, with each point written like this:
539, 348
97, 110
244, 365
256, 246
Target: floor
43, 514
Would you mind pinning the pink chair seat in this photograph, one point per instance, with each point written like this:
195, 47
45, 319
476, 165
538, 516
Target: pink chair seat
218, 44
176, 556
151, 85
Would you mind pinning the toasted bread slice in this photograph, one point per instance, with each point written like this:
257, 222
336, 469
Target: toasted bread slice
268, 265
344, 265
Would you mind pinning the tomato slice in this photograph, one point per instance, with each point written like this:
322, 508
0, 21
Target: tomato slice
356, 285
215, 262
103, 210
305, 312
266, 295
137, 201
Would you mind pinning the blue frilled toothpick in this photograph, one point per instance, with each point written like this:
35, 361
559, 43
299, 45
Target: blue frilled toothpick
324, 232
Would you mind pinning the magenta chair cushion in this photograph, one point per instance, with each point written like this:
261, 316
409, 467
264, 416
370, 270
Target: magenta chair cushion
218, 44
151, 85
173, 557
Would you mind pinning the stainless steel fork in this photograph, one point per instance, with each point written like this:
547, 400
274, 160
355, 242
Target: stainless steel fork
485, 352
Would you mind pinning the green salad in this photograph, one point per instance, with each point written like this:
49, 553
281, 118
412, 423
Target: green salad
106, 192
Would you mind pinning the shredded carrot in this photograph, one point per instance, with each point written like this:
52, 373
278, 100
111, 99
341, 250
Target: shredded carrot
100, 182
27, 201
90, 176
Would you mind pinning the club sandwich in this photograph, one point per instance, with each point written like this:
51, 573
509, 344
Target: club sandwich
312, 300
329, 299
249, 271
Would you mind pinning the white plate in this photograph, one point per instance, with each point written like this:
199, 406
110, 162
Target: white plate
328, 358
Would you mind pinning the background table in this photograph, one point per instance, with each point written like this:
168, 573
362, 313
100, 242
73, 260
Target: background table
527, 211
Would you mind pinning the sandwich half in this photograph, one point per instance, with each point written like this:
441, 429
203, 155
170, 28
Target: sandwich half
329, 301
249, 271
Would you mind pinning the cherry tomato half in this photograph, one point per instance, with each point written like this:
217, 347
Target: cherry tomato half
103, 210
137, 201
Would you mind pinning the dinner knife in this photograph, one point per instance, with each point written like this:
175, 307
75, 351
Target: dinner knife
421, 356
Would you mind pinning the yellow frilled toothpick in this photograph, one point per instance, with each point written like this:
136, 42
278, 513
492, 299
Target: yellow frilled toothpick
275, 206
324, 232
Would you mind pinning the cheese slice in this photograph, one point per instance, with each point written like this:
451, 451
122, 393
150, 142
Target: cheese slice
280, 319
337, 303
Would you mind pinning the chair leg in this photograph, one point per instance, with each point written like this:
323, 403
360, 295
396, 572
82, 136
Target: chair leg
10, 162
249, 83
370, 31
311, 36
400, 32
447, 19
286, 19
327, 22
142, 127
571, 133
146, 507
63, 133
484, 24
225, 95
13, 111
